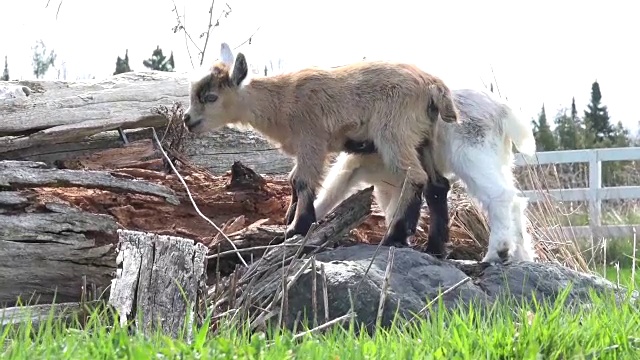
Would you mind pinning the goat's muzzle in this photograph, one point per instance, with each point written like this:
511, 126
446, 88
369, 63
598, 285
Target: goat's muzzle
189, 122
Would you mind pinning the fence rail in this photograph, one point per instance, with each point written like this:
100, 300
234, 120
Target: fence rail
594, 194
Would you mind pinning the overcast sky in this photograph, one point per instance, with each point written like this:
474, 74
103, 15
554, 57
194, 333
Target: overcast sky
541, 51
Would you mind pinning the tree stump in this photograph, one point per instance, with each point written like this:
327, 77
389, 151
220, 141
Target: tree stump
160, 282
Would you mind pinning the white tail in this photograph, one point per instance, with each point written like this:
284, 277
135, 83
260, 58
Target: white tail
520, 133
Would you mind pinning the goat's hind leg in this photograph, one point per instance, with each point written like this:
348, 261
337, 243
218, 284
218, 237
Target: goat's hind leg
398, 158
435, 194
482, 173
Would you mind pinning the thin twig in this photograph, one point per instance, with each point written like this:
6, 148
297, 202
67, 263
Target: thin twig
325, 293
349, 314
193, 202
262, 247
314, 292
283, 302
249, 38
184, 22
59, 5
454, 287
495, 81
206, 40
385, 286
633, 260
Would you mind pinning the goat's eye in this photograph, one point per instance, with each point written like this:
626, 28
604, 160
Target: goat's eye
209, 98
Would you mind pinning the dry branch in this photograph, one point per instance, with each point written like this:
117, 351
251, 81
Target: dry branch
160, 283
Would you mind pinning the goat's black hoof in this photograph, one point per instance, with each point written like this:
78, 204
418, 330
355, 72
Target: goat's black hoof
301, 227
436, 251
395, 240
436, 247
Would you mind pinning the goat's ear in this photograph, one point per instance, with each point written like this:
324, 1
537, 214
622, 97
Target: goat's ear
240, 70
225, 54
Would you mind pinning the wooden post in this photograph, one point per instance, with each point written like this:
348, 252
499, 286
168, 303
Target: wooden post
595, 184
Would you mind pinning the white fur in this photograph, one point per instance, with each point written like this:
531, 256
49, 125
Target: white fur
477, 151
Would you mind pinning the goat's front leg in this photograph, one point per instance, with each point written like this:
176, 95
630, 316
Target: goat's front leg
304, 179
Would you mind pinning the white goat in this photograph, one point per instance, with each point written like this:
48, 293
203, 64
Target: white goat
477, 150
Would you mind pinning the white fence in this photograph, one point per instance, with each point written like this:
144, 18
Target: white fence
594, 194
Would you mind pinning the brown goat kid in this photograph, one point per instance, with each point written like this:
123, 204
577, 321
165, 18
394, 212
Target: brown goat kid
314, 112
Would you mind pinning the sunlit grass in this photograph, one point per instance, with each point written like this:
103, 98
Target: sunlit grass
505, 331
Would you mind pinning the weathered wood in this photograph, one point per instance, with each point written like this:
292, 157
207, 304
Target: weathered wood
46, 244
57, 112
161, 282
36, 315
15, 175
217, 151
50, 154
46, 254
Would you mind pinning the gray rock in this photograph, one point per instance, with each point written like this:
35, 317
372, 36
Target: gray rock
418, 278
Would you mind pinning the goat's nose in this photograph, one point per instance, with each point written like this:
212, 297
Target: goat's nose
186, 118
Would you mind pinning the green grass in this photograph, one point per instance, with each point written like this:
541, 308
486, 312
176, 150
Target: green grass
606, 331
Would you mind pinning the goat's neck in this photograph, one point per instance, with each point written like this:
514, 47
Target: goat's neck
261, 104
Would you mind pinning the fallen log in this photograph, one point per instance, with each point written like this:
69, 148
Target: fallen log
47, 244
57, 112
160, 284
60, 120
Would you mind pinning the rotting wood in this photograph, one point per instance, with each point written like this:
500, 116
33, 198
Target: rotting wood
37, 315
48, 244
18, 174
160, 282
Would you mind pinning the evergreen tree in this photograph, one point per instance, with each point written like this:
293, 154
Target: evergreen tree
41, 61
122, 65
545, 141
5, 73
620, 136
596, 118
568, 129
158, 62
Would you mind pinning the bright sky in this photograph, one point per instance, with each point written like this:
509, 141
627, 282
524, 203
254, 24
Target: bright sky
541, 51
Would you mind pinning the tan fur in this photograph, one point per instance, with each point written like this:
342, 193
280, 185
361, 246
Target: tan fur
312, 112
